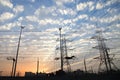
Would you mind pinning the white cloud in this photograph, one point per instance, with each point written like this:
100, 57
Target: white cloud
33, 1
112, 10
6, 16
67, 1
84, 5
6, 3
43, 11
81, 6
110, 19
61, 2
8, 26
49, 21
52, 30
67, 21
99, 6
29, 27
20, 18
18, 8
118, 25
106, 19
83, 16
110, 2
67, 11
32, 18
94, 19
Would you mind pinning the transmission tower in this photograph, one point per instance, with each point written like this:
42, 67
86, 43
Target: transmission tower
64, 53
104, 56
66, 60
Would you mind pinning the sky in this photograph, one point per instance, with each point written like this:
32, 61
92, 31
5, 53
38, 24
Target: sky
79, 20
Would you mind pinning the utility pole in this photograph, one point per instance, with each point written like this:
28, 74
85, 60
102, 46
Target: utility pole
85, 65
61, 50
37, 66
13, 65
17, 51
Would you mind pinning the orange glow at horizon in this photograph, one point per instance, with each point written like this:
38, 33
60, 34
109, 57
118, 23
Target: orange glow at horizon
27, 66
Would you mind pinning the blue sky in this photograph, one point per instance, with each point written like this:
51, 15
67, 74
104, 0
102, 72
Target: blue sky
42, 19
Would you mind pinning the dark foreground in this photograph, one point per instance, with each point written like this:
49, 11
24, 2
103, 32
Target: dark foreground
112, 75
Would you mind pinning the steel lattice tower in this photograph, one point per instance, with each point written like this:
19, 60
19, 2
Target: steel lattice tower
64, 53
104, 56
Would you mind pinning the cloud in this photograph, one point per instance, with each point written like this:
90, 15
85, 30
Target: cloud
6, 3
82, 16
110, 2
82, 6
118, 25
53, 11
68, 21
62, 2
49, 21
6, 16
110, 19
32, 18
9, 26
29, 27
67, 11
106, 19
20, 18
18, 8
43, 11
99, 6
51, 30
33, 1
66, 1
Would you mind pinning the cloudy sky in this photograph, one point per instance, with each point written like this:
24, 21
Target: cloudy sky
79, 20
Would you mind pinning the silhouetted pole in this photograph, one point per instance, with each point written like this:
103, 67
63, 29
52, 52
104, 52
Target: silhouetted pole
85, 65
13, 65
61, 50
37, 66
18, 51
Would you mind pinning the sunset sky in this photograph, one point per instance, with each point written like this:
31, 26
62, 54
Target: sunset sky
79, 20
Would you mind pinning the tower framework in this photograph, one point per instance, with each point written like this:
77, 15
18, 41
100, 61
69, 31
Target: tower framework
103, 50
64, 53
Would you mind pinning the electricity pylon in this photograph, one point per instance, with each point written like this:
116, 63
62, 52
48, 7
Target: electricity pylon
66, 60
64, 53
104, 56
